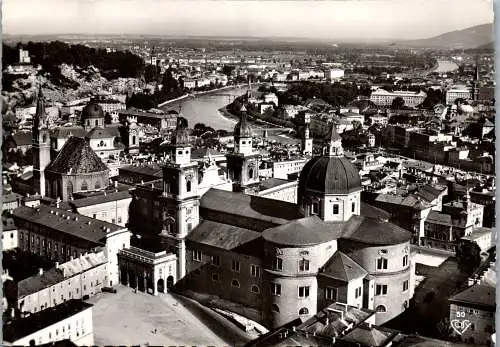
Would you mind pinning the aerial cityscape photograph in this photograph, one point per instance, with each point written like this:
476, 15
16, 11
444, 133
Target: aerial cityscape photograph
248, 173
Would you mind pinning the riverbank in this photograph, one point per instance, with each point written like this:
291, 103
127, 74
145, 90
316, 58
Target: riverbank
196, 94
253, 120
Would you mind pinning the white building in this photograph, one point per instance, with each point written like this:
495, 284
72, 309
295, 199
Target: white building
334, 74
381, 97
457, 92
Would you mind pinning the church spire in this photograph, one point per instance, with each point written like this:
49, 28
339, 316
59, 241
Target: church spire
334, 143
40, 114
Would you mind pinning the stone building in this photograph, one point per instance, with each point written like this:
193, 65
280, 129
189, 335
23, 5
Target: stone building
60, 235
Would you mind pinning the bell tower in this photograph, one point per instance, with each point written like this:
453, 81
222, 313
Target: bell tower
307, 142
180, 200
133, 135
41, 145
243, 163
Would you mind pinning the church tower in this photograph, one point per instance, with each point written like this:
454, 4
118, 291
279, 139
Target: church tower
180, 201
243, 163
41, 145
307, 142
133, 135
475, 82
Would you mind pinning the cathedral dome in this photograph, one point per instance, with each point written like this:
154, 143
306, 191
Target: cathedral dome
329, 175
242, 128
92, 111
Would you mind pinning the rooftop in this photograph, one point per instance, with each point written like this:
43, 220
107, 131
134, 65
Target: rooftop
369, 335
38, 282
302, 232
478, 294
76, 157
17, 329
373, 231
93, 231
343, 268
100, 199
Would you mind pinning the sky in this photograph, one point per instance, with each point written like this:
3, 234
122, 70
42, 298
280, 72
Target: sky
332, 20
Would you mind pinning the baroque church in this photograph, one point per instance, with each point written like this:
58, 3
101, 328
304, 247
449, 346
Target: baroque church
276, 260
69, 159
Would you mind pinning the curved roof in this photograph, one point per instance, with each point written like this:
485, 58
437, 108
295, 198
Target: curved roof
100, 133
307, 231
76, 157
92, 110
374, 231
329, 175
242, 128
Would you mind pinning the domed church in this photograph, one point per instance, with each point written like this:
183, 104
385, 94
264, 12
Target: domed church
277, 261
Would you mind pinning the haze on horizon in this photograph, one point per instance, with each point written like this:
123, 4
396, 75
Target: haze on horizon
326, 20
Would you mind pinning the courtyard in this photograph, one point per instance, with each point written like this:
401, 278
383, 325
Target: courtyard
137, 318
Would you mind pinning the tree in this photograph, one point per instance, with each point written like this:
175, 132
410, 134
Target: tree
468, 256
398, 103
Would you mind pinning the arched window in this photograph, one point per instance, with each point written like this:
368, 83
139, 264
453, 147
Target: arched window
380, 308
85, 185
133, 140
255, 289
88, 122
235, 283
101, 144
405, 260
44, 138
96, 122
304, 310
275, 308
250, 173
97, 185
188, 186
69, 189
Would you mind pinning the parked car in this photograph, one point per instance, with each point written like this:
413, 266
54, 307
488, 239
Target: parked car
109, 290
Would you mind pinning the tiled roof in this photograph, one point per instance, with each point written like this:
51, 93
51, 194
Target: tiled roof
20, 328
23, 138
409, 201
38, 282
249, 206
150, 170
343, 268
221, 235
100, 133
65, 132
302, 232
76, 157
373, 231
200, 153
370, 211
366, 335
79, 226
100, 199
478, 294
81, 264
437, 217
271, 183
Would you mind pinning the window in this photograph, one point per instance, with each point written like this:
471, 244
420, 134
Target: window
97, 185
215, 277
215, 260
304, 310
405, 286
380, 308
133, 140
255, 289
235, 283
357, 293
304, 265
331, 293
85, 185
353, 207
278, 264
381, 289
381, 264
314, 208
188, 186
12, 236
96, 122
275, 308
304, 292
405, 261
190, 226
335, 208
276, 289
94, 216
235, 266
197, 255
255, 270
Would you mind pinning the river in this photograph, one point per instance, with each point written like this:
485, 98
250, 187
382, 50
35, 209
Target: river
205, 108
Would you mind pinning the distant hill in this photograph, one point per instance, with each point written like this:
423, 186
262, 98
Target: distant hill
474, 37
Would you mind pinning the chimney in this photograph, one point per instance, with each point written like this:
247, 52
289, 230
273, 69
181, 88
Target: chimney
40, 271
57, 265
